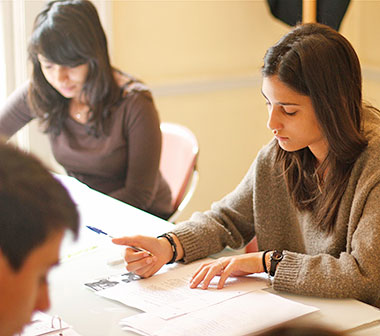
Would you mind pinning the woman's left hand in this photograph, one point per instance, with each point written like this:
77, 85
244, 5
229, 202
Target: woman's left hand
227, 266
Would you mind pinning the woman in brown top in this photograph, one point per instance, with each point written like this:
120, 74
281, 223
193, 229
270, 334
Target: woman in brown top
102, 124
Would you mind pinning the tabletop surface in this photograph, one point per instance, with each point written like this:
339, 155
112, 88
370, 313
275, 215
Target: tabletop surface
92, 315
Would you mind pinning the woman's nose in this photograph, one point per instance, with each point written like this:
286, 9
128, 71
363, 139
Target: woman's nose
274, 121
61, 74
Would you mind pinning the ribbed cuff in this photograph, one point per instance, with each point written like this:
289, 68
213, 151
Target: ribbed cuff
287, 272
191, 247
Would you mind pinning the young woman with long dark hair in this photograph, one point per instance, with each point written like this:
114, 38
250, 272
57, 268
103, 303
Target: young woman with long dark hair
102, 124
311, 197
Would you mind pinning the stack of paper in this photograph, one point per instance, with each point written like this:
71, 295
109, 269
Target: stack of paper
168, 294
249, 313
172, 308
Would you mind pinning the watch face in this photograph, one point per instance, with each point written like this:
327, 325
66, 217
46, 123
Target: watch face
277, 256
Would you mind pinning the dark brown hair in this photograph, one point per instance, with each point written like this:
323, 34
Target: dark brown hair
316, 61
33, 205
69, 33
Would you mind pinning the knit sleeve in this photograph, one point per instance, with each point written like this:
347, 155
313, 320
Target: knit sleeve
15, 113
354, 273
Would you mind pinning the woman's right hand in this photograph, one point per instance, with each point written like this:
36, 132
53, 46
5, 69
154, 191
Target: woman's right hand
156, 253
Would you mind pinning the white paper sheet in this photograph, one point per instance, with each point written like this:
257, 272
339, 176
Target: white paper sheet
251, 312
168, 294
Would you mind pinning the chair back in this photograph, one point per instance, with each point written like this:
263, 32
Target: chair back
178, 164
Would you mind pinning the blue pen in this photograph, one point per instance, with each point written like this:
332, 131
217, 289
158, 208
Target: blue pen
93, 228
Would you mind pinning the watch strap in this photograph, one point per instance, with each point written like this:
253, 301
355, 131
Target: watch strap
275, 258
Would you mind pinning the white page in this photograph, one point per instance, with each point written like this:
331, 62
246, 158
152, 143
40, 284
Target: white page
251, 312
168, 294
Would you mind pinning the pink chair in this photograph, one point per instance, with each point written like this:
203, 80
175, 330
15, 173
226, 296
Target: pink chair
178, 165
252, 246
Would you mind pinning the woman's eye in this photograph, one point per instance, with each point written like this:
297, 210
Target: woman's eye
47, 66
289, 112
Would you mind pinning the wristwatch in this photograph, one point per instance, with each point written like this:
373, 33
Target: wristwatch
275, 258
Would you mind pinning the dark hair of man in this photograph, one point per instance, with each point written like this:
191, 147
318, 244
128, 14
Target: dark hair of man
318, 62
33, 205
69, 33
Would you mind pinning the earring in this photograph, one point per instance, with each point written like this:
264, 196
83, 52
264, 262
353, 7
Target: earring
275, 132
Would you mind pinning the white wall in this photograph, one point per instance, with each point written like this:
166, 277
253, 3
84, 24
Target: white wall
202, 60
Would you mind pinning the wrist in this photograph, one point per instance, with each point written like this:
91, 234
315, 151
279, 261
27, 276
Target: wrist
180, 252
172, 246
265, 260
270, 261
167, 252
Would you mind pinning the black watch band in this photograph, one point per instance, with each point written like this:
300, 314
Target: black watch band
275, 258
173, 246
263, 260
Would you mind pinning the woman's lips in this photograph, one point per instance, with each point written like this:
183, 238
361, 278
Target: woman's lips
281, 138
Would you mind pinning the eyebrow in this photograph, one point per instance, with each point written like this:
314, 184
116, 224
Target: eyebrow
280, 103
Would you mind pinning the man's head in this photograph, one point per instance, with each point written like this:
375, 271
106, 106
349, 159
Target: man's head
35, 210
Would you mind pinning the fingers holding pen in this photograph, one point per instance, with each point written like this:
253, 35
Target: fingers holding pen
139, 262
143, 255
132, 254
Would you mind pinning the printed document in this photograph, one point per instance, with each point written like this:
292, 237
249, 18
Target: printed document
248, 313
168, 294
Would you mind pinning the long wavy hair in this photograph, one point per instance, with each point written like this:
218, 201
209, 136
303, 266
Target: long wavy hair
316, 61
69, 33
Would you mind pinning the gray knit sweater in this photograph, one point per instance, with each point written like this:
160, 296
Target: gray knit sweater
345, 264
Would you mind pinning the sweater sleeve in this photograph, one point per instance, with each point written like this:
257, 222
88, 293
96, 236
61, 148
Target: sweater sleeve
15, 113
229, 222
354, 272
142, 131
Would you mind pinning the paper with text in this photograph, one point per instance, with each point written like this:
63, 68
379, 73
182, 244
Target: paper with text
168, 294
248, 313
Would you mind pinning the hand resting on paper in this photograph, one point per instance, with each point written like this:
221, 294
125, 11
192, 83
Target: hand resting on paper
157, 252
225, 267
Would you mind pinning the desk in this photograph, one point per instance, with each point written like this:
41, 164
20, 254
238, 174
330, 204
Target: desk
91, 315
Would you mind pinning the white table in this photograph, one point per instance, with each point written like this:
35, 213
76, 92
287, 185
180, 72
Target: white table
91, 315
